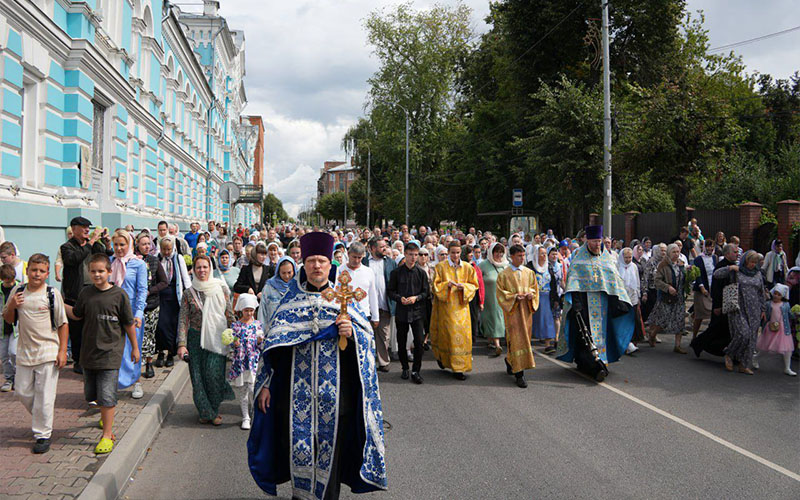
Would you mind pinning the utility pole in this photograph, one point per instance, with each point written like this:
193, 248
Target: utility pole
404, 109
606, 123
369, 169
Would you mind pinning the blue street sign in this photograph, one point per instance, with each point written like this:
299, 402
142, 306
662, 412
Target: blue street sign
517, 198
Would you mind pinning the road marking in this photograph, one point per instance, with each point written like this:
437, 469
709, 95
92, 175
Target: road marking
763, 461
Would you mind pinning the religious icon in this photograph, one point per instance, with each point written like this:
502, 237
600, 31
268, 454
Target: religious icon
343, 295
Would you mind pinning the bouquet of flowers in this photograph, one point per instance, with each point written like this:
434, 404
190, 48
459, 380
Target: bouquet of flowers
228, 337
795, 312
692, 274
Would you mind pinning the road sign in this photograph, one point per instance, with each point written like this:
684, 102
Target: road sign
517, 198
229, 192
250, 193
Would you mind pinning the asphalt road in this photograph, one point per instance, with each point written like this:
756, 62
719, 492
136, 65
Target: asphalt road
562, 437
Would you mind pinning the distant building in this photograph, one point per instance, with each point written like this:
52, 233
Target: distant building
335, 177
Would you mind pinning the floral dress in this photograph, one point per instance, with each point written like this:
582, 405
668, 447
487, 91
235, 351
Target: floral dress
671, 317
745, 323
244, 365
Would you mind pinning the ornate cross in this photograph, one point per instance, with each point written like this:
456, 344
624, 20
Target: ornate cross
343, 295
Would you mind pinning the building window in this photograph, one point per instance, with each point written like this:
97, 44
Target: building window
341, 182
98, 144
351, 176
29, 133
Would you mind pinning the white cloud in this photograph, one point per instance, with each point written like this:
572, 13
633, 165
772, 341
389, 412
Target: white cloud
308, 62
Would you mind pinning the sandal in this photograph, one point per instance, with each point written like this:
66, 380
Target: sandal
728, 364
744, 370
203, 420
217, 421
104, 446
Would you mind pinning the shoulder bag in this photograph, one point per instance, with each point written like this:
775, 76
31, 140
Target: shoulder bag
730, 296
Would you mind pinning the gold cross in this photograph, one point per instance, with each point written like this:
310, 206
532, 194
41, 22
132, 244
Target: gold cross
343, 296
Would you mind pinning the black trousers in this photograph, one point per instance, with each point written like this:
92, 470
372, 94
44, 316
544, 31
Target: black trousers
418, 330
75, 333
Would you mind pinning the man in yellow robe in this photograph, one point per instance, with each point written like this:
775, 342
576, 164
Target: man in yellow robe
518, 295
454, 285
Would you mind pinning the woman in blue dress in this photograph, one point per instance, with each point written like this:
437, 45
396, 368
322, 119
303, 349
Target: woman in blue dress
130, 273
543, 325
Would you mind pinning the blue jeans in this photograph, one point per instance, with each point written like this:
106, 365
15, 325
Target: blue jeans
8, 356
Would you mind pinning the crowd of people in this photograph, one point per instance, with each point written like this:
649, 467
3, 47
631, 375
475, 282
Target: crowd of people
134, 299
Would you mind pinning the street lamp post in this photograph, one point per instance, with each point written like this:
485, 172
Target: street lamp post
369, 169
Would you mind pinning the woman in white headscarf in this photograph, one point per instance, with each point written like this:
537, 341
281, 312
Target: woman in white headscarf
493, 323
544, 327
205, 313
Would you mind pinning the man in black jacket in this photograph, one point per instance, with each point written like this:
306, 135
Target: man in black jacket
717, 336
74, 253
408, 287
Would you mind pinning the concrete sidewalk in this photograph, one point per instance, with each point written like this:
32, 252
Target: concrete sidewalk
71, 464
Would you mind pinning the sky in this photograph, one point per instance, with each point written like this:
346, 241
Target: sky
308, 64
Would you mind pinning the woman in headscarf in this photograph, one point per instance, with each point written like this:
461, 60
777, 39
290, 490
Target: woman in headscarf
275, 289
493, 322
544, 327
156, 282
669, 313
775, 264
745, 322
170, 297
225, 271
205, 313
648, 288
629, 272
130, 273
647, 246
556, 269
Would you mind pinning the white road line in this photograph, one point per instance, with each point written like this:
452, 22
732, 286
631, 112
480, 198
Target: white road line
763, 461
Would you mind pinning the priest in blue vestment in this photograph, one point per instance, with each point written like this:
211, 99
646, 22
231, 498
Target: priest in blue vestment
318, 421
595, 291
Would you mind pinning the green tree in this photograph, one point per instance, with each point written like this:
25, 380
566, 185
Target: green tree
331, 206
683, 126
273, 205
418, 52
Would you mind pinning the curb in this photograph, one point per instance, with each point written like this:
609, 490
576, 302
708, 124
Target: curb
112, 477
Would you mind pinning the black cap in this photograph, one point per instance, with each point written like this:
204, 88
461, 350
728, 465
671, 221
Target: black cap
80, 221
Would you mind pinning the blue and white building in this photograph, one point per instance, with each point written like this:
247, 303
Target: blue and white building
123, 111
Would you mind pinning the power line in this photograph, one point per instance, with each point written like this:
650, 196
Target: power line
753, 40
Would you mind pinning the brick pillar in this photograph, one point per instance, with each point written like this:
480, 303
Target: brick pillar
749, 220
788, 214
630, 226
595, 220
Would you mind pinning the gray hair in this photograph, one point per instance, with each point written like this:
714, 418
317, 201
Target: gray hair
729, 248
357, 248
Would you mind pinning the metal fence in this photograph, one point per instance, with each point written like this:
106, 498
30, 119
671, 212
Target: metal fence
659, 225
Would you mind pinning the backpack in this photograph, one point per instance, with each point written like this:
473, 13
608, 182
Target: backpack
51, 299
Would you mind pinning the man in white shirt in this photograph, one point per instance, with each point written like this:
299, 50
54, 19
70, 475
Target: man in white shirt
362, 278
381, 267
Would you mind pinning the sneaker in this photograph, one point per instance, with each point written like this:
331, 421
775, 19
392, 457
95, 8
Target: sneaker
788, 371
137, 393
246, 424
7, 387
42, 445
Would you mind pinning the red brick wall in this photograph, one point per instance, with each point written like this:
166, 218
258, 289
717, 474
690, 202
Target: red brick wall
749, 220
788, 214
